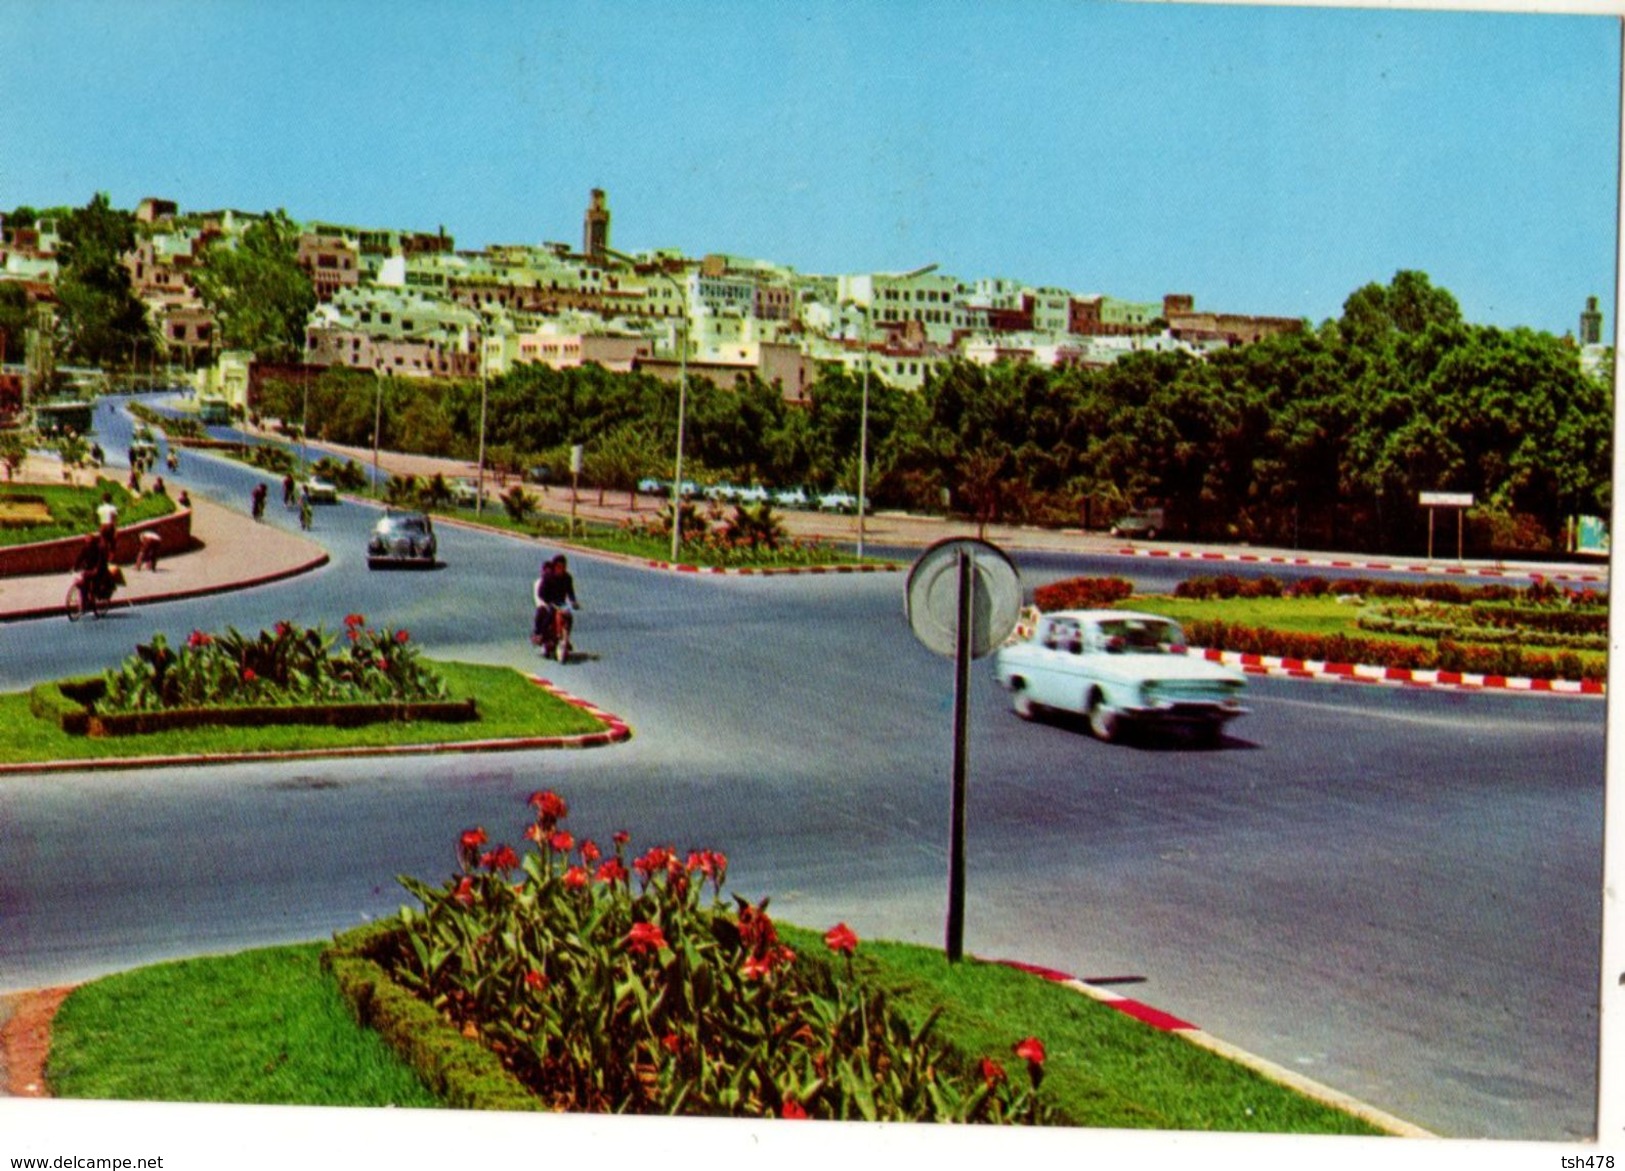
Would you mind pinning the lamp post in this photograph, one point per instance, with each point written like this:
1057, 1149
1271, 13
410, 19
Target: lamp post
479, 489
377, 421
682, 402
863, 413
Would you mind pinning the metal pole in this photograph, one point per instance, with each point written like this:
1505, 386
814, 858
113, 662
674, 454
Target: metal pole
682, 409
377, 423
479, 490
956, 816
863, 433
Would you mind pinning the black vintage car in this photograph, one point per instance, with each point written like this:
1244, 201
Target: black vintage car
401, 538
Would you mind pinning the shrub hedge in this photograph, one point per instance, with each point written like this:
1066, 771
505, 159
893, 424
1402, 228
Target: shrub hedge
1082, 593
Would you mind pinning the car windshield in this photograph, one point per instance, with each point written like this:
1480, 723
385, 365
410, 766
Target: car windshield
1140, 636
405, 524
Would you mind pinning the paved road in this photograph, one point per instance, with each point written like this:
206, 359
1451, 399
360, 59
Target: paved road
1394, 892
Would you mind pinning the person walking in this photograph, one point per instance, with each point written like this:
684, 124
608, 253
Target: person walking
257, 500
305, 516
107, 518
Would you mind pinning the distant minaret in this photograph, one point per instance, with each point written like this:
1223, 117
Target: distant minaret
595, 227
1591, 324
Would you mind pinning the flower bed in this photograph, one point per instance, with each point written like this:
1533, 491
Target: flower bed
1082, 593
607, 983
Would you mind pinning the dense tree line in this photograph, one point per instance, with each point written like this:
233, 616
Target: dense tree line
1322, 438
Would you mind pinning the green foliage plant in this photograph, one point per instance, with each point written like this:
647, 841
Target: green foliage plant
288, 664
616, 984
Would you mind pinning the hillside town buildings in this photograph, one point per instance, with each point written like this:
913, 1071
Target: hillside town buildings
411, 304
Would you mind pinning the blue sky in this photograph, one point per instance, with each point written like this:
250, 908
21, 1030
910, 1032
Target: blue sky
1267, 160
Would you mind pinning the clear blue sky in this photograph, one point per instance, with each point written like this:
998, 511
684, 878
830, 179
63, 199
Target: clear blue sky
1267, 160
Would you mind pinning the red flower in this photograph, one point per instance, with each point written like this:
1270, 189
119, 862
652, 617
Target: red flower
575, 878
550, 808
248, 675
792, 1109
401, 636
562, 841
622, 837
1031, 1050
590, 852
992, 1072
534, 833
841, 938
473, 839
383, 664
672, 1044
198, 638
283, 629
502, 858
645, 936
465, 891
657, 858
354, 620
611, 871
535, 979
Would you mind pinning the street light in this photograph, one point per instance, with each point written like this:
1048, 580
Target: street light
863, 414
479, 489
682, 401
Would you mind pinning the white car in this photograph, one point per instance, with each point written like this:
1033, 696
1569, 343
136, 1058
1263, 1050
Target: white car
321, 491
465, 493
1118, 668
755, 494
790, 498
838, 502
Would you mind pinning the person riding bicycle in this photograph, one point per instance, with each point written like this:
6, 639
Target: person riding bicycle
95, 574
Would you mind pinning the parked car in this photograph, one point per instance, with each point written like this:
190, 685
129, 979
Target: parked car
1144, 523
651, 486
755, 494
790, 498
1118, 668
837, 502
539, 474
402, 538
722, 490
321, 491
465, 493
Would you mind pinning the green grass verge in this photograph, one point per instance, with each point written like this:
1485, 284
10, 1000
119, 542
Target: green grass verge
268, 1026
73, 509
265, 1026
509, 706
1321, 616
1105, 1068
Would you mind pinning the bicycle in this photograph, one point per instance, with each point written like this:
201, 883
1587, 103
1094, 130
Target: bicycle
100, 601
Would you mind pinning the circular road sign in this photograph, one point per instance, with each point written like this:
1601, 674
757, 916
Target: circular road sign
932, 596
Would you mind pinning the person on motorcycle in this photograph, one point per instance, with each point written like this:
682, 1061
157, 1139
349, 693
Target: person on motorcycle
555, 594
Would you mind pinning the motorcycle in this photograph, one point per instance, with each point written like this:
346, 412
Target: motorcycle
551, 632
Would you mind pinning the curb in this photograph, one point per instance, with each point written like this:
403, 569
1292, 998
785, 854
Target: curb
617, 730
179, 594
1253, 664
771, 571
1328, 563
1279, 1074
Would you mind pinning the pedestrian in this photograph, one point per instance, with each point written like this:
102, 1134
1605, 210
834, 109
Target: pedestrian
304, 510
159, 488
107, 518
147, 555
287, 491
134, 482
257, 500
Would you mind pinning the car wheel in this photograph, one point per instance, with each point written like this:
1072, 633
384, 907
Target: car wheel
1103, 721
1022, 703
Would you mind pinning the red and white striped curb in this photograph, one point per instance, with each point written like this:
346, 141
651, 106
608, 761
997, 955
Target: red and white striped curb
1328, 563
616, 730
1169, 1023
1392, 676
771, 571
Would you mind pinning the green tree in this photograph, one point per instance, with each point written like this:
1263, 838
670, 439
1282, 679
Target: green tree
101, 320
259, 295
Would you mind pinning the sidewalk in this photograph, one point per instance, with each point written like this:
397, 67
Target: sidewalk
231, 552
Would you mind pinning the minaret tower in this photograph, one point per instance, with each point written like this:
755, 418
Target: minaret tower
595, 226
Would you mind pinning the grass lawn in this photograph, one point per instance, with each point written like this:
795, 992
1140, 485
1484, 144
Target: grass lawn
73, 509
268, 1026
1323, 615
509, 705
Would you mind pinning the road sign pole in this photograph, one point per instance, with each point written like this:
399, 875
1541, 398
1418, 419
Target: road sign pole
956, 844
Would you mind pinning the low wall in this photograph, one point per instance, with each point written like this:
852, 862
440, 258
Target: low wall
174, 536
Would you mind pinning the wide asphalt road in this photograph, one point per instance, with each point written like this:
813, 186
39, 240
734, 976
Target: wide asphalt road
1396, 893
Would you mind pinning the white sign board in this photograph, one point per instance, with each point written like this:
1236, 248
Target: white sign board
1446, 499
